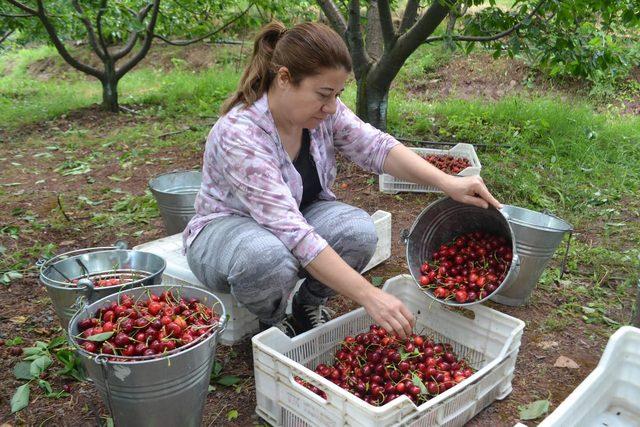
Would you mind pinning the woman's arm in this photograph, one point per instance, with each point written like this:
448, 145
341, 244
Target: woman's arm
403, 163
387, 310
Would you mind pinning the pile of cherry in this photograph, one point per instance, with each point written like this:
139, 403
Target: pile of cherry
468, 269
379, 367
448, 164
149, 326
105, 281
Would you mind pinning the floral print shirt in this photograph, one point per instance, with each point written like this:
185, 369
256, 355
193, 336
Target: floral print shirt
247, 172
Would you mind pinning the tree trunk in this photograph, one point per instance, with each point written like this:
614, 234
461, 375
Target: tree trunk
374, 31
371, 103
110, 90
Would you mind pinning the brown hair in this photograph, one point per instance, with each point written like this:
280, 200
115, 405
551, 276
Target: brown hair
304, 49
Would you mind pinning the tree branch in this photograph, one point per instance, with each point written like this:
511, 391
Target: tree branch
62, 50
334, 16
373, 32
21, 15
6, 35
361, 60
409, 16
90, 32
494, 36
23, 7
133, 35
386, 23
426, 25
147, 42
188, 42
101, 11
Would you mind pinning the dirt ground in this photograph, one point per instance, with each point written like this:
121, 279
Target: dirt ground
25, 310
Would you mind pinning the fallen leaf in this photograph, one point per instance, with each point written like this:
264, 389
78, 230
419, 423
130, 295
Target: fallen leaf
18, 319
565, 362
67, 242
546, 345
533, 410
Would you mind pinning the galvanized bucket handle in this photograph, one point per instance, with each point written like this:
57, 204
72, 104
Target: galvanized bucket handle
566, 255
566, 251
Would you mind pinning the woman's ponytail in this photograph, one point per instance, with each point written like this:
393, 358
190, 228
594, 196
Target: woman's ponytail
305, 50
258, 75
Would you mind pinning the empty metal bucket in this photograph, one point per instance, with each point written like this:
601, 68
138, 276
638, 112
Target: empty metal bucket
166, 391
143, 268
537, 238
176, 193
444, 220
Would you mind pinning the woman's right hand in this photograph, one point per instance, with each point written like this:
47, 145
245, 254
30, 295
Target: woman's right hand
389, 312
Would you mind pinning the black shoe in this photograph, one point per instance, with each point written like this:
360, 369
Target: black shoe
310, 316
287, 325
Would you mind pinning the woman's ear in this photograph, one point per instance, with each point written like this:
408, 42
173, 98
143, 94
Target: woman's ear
283, 78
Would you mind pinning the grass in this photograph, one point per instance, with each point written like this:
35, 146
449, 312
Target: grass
540, 153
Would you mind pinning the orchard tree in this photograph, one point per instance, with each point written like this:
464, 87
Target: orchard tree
380, 48
120, 33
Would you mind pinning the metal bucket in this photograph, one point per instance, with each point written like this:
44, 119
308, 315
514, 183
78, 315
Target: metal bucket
176, 193
67, 298
537, 238
166, 391
444, 220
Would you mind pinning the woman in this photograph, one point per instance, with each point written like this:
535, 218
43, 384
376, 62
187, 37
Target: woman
265, 213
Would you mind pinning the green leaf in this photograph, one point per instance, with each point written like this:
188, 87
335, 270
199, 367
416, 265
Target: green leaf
110, 422
45, 386
57, 394
100, 337
228, 380
533, 410
376, 281
20, 398
232, 415
22, 371
39, 365
32, 351
56, 342
14, 275
217, 368
417, 381
14, 342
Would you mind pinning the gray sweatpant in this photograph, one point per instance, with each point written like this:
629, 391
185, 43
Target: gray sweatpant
236, 255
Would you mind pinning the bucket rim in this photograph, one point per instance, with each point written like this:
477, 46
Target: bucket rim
514, 266
138, 360
518, 221
47, 282
174, 172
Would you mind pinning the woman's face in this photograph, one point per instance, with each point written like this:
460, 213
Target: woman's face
313, 99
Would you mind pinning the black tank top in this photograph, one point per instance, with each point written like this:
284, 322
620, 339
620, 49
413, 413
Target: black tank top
306, 167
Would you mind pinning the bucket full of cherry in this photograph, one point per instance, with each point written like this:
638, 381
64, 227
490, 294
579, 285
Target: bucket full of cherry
460, 254
150, 352
83, 276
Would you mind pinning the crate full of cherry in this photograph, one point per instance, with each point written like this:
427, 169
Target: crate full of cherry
460, 160
353, 372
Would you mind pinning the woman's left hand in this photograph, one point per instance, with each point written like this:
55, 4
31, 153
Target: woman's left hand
470, 190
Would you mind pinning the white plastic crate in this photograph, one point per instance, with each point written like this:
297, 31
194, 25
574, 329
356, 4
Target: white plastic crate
490, 342
242, 323
382, 221
391, 185
610, 395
